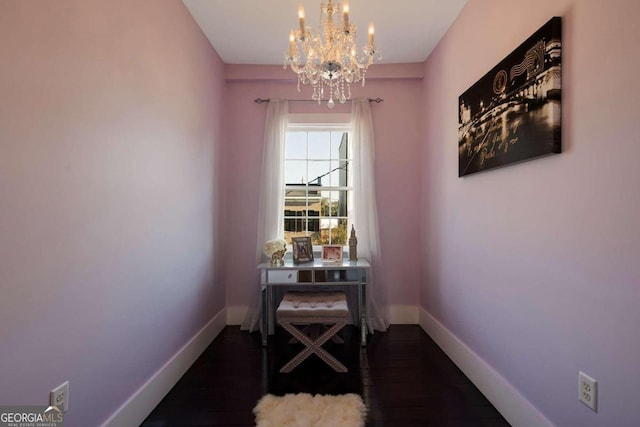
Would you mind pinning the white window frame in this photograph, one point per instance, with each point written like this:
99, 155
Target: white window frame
329, 123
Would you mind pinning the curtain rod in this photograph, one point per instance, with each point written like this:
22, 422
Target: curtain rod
264, 100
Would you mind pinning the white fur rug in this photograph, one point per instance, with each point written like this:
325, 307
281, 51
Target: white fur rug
305, 410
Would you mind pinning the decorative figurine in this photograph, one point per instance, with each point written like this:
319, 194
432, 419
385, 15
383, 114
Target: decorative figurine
353, 245
275, 249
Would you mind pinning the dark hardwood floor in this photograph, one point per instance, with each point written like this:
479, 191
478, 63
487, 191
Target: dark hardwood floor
402, 375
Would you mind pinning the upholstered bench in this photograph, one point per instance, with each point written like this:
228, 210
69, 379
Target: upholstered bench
313, 308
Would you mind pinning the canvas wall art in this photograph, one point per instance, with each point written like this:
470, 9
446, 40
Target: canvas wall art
512, 114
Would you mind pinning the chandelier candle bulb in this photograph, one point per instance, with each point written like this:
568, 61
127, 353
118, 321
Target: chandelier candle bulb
371, 31
292, 38
345, 9
301, 16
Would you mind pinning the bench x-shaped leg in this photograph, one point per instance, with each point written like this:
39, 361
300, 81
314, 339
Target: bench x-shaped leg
314, 347
313, 331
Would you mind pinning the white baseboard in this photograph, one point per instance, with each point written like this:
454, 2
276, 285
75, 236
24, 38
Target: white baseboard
146, 398
513, 406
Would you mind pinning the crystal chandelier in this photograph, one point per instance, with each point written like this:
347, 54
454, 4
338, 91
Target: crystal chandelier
329, 57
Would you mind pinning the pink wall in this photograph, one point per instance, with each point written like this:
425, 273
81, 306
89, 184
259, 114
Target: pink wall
397, 128
535, 266
109, 126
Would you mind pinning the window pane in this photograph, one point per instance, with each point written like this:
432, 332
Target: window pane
316, 239
295, 146
313, 191
291, 192
295, 206
326, 204
322, 237
339, 173
313, 225
319, 147
319, 172
339, 145
342, 203
340, 234
332, 231
314, 207
295, 172
327, 223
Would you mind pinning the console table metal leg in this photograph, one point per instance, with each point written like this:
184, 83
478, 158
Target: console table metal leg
269, 311
362, 301
263, 316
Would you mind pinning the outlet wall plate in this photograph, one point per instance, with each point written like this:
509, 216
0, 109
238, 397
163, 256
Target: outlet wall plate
59, 396
588, 391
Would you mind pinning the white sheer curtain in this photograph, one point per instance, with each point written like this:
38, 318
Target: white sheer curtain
365, 218
270, 209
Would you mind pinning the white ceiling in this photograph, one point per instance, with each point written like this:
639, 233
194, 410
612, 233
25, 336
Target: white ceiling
257, 31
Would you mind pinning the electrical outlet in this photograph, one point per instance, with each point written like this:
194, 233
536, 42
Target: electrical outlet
59, 396
588, 391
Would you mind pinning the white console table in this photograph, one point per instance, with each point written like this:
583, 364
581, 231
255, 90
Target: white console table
313, 276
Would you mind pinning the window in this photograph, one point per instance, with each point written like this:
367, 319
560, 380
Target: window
318, 183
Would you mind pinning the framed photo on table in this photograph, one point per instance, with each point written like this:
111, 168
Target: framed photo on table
302, 249
332, 253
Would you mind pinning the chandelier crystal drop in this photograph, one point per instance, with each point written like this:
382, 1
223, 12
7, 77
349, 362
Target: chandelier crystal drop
329, 58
